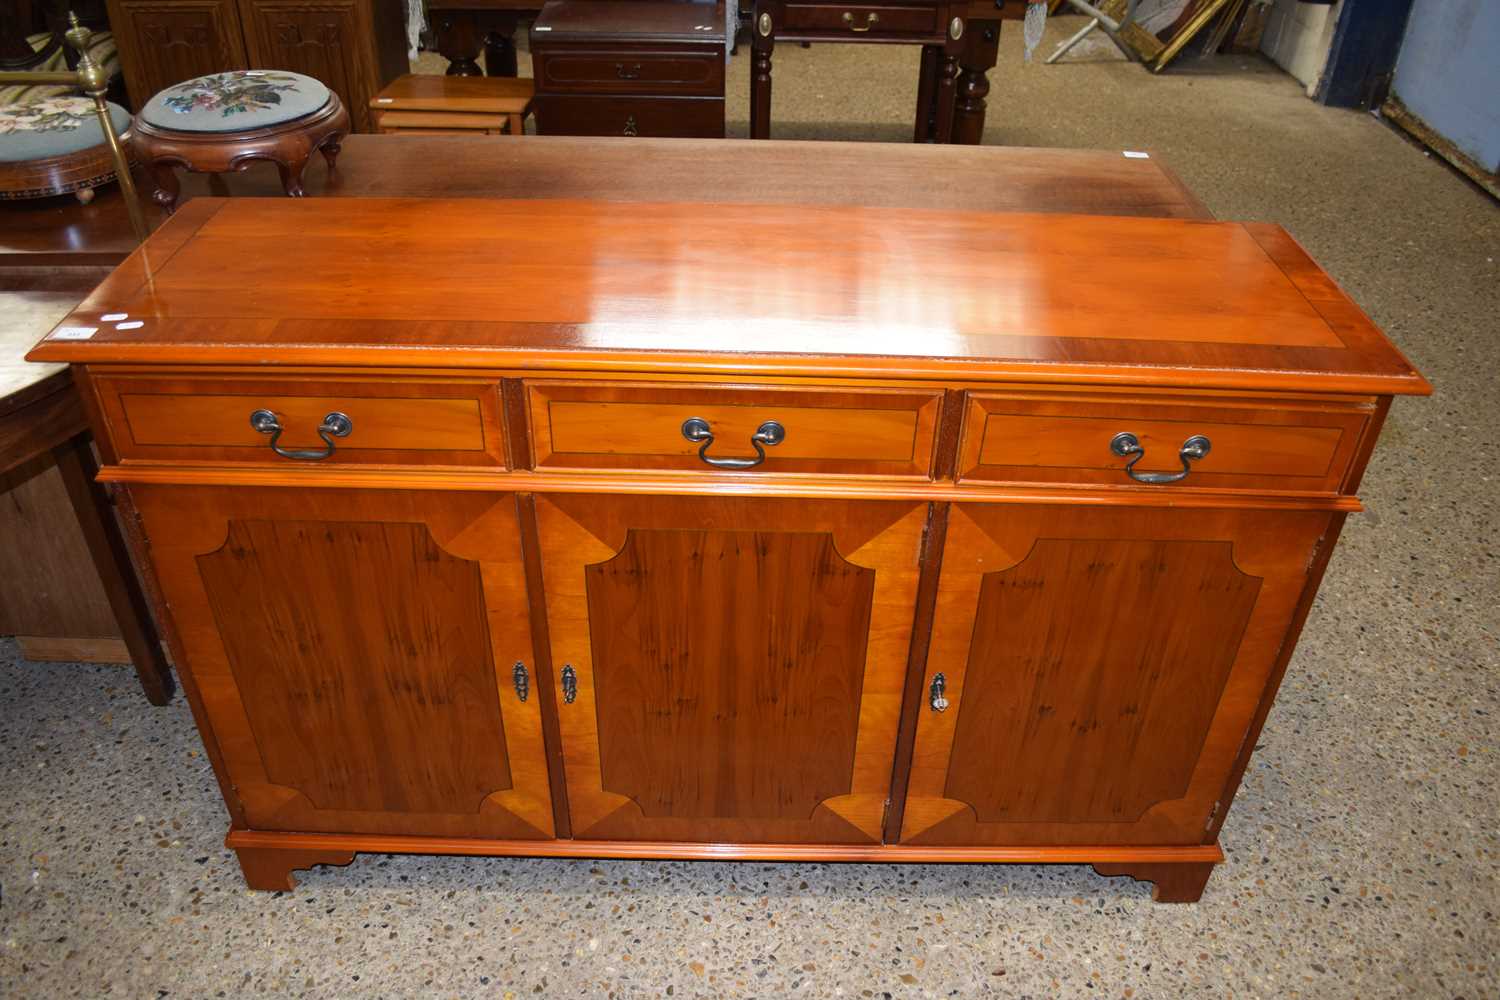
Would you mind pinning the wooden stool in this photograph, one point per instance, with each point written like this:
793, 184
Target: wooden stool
220, 123
453, 105
53, 146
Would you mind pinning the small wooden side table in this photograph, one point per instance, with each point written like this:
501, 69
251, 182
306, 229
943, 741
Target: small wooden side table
453, 105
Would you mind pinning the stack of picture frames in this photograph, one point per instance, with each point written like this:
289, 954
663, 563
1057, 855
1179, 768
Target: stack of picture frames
1162, 29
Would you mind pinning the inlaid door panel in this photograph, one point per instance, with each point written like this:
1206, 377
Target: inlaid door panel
164, 42
355, 655
739, 662
1101, 668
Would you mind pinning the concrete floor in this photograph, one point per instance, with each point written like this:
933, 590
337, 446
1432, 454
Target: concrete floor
1361, 850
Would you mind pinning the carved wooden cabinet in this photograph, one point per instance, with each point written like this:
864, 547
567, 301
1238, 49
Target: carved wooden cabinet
354, 46
897, 547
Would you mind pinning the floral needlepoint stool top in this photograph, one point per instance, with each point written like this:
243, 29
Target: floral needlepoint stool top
235, 101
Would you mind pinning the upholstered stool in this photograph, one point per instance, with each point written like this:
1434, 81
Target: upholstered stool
220, 123
53, 145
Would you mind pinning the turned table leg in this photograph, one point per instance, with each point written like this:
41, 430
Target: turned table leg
947, 76
1173, 882
981, 50
926, 92
271, 868
763, 41
106, 545
500, 53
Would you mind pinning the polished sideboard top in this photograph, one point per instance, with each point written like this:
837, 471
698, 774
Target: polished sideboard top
823, 291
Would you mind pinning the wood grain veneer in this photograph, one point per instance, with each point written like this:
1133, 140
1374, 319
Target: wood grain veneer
937, 623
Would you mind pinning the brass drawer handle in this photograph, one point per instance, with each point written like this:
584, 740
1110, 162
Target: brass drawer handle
569, 683
628, 72
521, 680
335, 425
1127, 444
770, 433
871, 19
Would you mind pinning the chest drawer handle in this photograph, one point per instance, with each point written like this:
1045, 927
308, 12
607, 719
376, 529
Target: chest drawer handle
628, 72
335, 425
1127, 444
770, 433
871, 19
936, 698
569, 684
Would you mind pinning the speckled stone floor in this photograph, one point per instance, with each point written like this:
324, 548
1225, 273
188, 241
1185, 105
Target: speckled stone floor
1361, 850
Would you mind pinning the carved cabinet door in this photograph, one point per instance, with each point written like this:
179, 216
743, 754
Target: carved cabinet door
354, 655
732, 668
164, 42
1101, 668
330, 40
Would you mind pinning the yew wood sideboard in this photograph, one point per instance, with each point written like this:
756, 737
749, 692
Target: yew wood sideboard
728, 531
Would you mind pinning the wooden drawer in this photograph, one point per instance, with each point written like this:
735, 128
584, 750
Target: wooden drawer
608, 425
394, 421
623, 71
859, 21
1266, 445
661, 117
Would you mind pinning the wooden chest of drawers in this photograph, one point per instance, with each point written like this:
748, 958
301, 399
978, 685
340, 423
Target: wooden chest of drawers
603, 544
646, 68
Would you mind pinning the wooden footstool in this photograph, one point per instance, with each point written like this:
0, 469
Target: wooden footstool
453, 105
53, 145
222, 122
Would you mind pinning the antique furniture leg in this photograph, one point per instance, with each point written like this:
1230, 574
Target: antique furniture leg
926, 92
167, 187
762, 43
331, 150
981, 50
947, 75
500, 52
291, 176
101, 532
271, 869
1179, 882
457, 39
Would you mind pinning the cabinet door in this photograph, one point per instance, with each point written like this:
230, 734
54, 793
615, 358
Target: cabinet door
354, 653
330, 40
1101, 666
739, 663
164, 42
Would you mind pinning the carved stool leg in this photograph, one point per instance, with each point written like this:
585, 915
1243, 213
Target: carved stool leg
270, 868
1181, 882
331, 149
167, 188
291, 177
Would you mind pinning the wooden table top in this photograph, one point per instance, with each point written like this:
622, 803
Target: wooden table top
827, 290
58, 231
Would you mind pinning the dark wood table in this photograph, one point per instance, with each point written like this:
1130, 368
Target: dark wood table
462, 28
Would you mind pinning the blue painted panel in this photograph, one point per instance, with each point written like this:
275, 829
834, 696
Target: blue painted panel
1448, 73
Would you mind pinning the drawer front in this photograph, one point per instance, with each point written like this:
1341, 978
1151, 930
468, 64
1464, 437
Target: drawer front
392, 421
860, 21
622, 71
864, 432
660, 117
1265, 445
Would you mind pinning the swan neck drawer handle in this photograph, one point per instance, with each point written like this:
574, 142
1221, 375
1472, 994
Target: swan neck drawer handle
698, 431
936, 698
569, 683
871, 19
335, 425
521, 679
1127, 445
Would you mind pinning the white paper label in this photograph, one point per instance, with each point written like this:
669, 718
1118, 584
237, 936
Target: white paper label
74, 332
134, 324
114, 317
1131, 154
